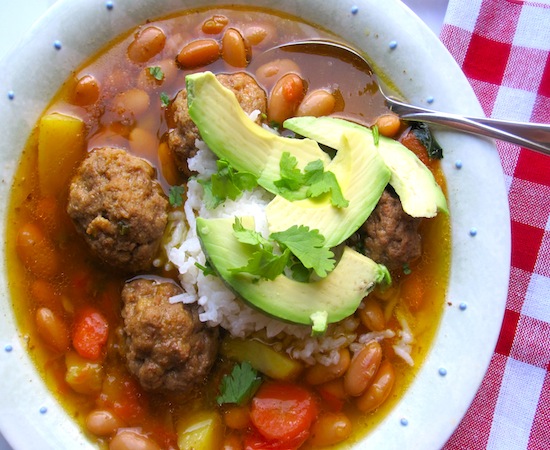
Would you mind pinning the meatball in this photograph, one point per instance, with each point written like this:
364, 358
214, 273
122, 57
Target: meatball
181, 139
390, 235
166, 346
120, 209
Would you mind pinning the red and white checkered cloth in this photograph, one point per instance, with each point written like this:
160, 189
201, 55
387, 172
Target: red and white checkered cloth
503, 47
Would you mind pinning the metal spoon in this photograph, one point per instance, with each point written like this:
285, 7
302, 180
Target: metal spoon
534, 136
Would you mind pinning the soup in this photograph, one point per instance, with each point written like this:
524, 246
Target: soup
123, 317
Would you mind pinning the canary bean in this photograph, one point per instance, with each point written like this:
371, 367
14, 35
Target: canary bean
372, 315
143, 142
268, 73
86, 91
379, 390
36, 251
52, 329
258, 33
215, 24
388, 124
330, 429
131, 440
362, 369
285, 97
103, 422
132, 103
237, 417
235, 51
147, 43
317, 103
199, 53
319, 373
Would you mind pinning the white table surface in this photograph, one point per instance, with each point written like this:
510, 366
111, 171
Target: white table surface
17, 16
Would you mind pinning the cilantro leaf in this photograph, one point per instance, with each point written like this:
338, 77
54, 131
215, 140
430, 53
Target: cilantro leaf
247, 236
308, 246
265, 264
226, 183
206, 269
292, 179
327, 183
240, 385
175, 196
164, 99
156, 72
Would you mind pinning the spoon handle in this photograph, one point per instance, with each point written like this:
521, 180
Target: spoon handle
534, 136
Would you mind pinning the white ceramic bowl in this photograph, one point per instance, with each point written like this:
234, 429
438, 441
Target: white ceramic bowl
422, 68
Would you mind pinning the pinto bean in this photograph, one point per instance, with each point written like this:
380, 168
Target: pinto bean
147, 43
52, 329
317, 103
388, 124
131, 440
36, 251
372, 315
362, 369
131, 103
285, 97
319, 373
257, 33
103, 422
235, 51
198, 53
86, 91
236, 417
380, 389
215, 24
268, 73
329, 429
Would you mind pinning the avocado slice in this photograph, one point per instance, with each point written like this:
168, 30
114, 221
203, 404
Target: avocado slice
362, 176
418, 191
316, 303
233, 136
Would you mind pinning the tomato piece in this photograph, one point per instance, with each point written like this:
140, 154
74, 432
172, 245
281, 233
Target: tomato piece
283, 411
255, 441
91, 331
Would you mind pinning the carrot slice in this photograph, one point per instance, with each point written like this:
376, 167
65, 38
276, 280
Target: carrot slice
91, 331
283, 411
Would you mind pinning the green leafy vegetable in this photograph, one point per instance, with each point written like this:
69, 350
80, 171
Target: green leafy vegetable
313, 182
175, 196
424, 135
227, 183
308, 246
206, 269
156, 72
164, 99
240, 385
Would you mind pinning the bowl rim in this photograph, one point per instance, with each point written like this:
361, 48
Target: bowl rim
393, 38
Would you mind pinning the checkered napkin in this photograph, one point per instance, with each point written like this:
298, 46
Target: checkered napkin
503, 47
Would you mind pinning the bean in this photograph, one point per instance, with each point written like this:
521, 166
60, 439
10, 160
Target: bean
147, 43
199, 53
319, 373
232, 442
168, 167
235, 50
388, 124
132, 103
379, 390
268, 73
285, 97
317, 103
236, 417
43, 293
143, 142
36, 251
52, 329
215, 24
86, 91
329, 429
132, 440
333, 393
372, 315
362, 369
103, 422
260, 32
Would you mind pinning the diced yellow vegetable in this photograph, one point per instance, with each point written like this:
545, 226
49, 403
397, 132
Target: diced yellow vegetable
262, 357
83, 375
61, 146
200, 431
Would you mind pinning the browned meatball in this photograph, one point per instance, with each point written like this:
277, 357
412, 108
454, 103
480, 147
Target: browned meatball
120, 209
390, 236
181, 139
167, 347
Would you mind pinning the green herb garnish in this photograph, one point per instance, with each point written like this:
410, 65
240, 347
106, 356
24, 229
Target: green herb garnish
206, 269
164, 99
375, 134
156, 72
240, 385
175, 196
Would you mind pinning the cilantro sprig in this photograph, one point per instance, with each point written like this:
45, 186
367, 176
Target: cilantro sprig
240, 385
156, 72
312, 182
227, 183
175, 196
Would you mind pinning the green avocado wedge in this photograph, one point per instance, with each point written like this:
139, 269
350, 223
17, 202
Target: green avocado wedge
232, 135
413, 182
362, 176
316, 303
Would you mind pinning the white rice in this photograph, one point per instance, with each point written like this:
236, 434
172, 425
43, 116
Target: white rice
219, 306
